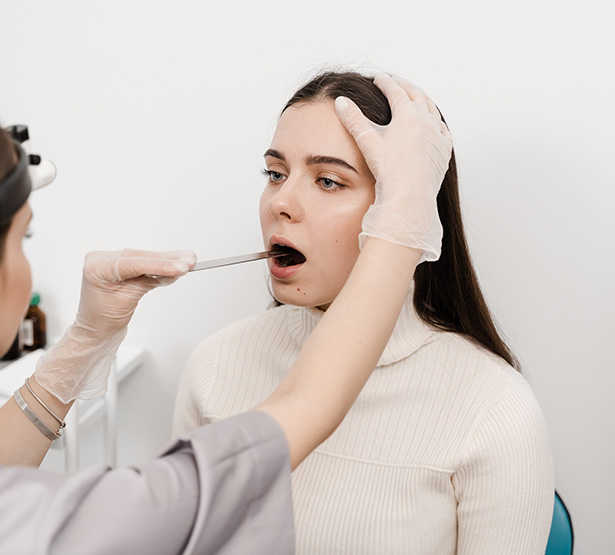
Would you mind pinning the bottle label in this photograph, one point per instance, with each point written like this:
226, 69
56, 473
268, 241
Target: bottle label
27, 333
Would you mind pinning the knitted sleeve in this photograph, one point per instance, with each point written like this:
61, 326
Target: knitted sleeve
505, 487
194, 388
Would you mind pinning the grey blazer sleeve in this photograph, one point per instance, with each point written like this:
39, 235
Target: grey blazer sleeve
224, 489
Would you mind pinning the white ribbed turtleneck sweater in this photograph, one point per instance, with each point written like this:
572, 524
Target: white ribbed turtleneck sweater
445, 451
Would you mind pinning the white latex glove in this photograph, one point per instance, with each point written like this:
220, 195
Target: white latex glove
408, 157
78, 365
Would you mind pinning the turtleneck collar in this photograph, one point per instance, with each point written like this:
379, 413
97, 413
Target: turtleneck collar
409, 335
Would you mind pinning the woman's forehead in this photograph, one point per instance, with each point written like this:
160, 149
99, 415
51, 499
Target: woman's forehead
313, 129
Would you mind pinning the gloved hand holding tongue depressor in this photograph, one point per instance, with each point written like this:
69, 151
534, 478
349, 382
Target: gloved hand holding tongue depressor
408, 158
78, 365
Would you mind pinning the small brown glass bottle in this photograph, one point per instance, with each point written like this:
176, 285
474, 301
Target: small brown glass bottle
34, 326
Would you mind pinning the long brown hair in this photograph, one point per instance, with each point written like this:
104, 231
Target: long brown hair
446, 293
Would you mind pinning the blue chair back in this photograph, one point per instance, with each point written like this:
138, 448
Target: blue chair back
561, 537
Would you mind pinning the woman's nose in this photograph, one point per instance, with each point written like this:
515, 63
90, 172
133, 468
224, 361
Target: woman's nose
286, 202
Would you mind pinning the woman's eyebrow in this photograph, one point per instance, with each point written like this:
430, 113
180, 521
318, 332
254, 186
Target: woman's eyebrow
311, 159
275, 154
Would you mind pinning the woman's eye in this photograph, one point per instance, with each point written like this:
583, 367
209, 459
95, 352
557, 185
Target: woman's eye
329, 184
273, 176
29, 233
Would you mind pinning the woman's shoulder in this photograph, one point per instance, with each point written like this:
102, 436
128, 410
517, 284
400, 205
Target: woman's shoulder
472, 366
223, 362
486, 394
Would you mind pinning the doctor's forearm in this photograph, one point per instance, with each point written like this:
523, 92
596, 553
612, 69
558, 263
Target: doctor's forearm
21, 442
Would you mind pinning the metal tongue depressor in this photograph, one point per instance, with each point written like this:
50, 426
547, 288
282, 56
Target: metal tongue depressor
208, 264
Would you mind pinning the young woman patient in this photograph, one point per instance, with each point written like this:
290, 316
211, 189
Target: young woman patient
446, 450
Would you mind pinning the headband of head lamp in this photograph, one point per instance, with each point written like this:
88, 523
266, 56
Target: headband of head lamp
31, 172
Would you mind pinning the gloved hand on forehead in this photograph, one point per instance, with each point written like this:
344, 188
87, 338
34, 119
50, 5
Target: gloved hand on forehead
78, 365
409, 158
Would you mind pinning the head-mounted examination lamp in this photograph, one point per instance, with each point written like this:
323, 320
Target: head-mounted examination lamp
31, 172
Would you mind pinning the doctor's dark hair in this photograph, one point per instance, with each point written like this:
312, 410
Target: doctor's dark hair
7, 163
447, 295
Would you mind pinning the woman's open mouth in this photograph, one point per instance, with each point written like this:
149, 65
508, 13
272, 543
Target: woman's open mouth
283, 267
292, 257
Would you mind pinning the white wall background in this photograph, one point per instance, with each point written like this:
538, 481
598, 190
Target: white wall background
157, 115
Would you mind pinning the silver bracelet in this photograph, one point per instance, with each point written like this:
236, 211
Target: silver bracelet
58, 420
44, 429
